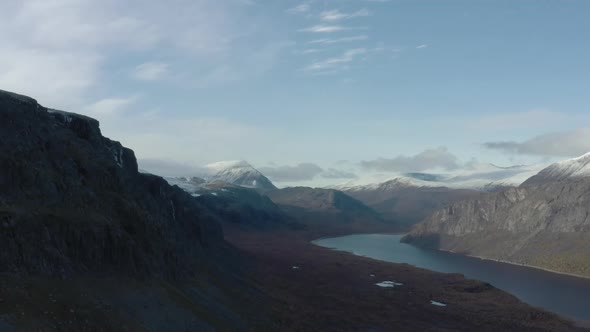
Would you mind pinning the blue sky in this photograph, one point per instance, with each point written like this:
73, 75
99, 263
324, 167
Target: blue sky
357, 83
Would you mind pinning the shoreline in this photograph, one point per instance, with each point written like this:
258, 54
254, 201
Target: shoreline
336, 289
519, 264
577, 321
465, 255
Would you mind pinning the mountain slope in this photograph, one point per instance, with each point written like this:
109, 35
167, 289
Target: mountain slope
570, 169
328, 211
239, 173
406, 203
544, 223
73, 205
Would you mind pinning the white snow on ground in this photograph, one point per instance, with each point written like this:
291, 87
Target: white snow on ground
571, 168
388, 284
438, 304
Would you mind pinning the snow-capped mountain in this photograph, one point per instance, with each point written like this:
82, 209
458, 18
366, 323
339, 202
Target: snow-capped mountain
483, 177
191, 185
563, 170
239, 173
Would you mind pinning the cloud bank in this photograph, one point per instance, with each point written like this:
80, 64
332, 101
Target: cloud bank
561, 144
439, 158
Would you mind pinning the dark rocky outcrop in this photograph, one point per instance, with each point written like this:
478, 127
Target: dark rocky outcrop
73, 201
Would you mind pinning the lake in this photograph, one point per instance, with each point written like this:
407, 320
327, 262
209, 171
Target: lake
562, 294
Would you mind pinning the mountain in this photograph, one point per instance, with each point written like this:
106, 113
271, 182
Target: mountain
239, 173
404, 202
98, 246
328, 211
570, 169
243, 208
318, 199
544, 222
475, 176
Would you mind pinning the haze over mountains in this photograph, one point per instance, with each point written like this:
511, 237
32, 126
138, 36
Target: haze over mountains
405, 199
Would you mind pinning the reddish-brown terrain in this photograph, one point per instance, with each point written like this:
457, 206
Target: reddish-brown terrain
336, 291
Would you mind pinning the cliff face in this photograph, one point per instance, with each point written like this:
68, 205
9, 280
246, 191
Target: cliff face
543, 224
73, 201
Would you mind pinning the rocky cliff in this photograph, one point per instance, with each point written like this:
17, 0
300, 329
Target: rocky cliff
73, 201
90, 244
541, 223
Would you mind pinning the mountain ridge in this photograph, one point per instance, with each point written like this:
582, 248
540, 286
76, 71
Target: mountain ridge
544, 223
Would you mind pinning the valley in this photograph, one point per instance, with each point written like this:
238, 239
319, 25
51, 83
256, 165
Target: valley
90, 243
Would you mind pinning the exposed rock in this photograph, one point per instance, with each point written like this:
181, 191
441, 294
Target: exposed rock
73, 201
544, 225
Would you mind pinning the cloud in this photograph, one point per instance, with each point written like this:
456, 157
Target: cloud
561, 144
337, 15
300, 9
150, 71
300, 172
339, 40
55, 78
332, 64
190, 139
536, 118
169, 168
439, 158
325, 28
109, 106
310, 51
58, 50
422, 46
332, 173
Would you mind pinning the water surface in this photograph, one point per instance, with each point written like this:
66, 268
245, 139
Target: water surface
563, 294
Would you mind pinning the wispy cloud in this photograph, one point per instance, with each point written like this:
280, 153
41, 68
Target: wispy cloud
439, 158
109, 106
327, 28
337, 15
422, 46
300, 172
310, 51
339, 40
57, 51
300, 9
336, 63
560, 144
150, 71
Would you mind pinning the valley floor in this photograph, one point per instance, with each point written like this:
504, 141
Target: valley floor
317, 289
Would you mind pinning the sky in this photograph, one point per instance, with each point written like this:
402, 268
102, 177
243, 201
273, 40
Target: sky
312, 91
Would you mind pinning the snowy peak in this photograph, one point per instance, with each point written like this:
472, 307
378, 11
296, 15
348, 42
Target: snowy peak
564, 170
239, 173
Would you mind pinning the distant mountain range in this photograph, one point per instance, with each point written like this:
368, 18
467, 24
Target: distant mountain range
406, 199
544, 222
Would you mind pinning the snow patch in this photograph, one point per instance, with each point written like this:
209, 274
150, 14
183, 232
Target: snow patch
388, 284
438, 304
